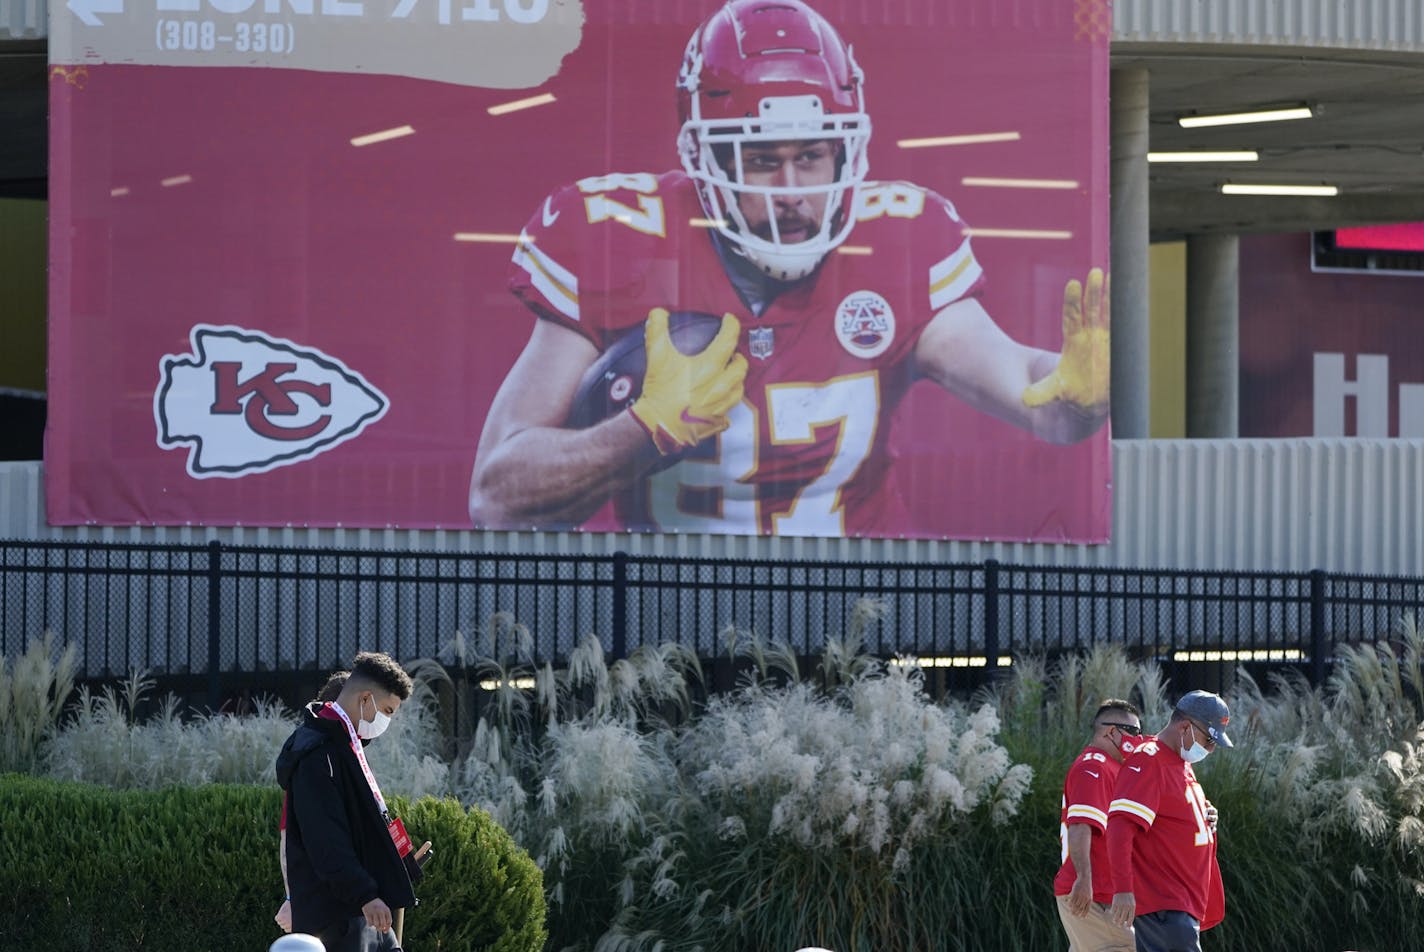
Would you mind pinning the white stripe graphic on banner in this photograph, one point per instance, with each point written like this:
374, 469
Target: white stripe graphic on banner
953, 276
556, 283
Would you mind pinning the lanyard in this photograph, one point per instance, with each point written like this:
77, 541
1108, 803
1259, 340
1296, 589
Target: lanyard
359, 752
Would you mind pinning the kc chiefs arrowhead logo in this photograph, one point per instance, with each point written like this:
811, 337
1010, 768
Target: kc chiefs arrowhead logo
244, 402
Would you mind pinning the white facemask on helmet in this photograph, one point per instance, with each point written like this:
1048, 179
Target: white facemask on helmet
772, 71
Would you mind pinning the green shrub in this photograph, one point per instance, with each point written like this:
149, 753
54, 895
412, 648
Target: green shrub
481, 891
793, 810
195, 868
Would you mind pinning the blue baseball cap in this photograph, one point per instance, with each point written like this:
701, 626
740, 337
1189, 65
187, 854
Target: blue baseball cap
1210, 711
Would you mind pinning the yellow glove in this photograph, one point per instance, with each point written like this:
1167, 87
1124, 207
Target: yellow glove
1082, 375
686, 397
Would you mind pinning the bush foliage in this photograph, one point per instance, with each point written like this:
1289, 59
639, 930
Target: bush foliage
838, 807
185, 868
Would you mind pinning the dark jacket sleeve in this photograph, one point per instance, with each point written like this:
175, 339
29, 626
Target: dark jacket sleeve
326, 829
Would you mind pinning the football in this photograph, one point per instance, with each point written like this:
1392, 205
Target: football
616, 378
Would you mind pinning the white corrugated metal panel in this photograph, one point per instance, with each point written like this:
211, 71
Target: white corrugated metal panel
24, 19
1350, 24
1286, 505
1340, 505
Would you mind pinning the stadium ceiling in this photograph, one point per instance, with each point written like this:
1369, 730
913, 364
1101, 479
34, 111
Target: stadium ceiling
1367, 136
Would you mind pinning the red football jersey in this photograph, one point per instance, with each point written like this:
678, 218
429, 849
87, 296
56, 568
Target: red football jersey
1087, 795
1172, 863
830, 357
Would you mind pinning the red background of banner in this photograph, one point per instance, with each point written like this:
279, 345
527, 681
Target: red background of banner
287, 229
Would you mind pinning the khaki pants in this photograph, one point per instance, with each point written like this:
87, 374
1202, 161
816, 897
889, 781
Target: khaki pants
1095, 932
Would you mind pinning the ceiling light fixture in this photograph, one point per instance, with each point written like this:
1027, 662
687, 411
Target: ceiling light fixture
954, 661
1244, 155
1241, 118
517, 684
1323, 191
1241, 654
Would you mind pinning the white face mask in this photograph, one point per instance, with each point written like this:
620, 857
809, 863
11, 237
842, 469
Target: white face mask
1196, 753
376, 726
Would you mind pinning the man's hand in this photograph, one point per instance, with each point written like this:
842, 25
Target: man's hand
1082, 375
1211, 815
378, 915
686, 398
1080, 897
284, 916
1123, 909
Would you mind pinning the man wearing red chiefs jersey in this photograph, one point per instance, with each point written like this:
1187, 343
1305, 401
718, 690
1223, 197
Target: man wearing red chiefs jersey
1162, 832
780, 425
1083, 886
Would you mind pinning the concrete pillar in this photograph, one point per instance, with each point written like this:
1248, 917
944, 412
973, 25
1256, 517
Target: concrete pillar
1213, 317
1131, 332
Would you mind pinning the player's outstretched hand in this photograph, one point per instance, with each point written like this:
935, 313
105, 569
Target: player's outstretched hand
686, 397
1082, 375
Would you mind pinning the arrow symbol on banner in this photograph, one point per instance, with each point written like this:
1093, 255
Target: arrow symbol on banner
85, 9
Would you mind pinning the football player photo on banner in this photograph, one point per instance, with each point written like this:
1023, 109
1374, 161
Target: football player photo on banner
792, 267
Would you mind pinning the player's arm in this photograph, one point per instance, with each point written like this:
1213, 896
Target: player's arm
529, 470
1061, 398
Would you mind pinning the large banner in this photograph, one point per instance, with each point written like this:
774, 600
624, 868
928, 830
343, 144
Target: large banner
656, 265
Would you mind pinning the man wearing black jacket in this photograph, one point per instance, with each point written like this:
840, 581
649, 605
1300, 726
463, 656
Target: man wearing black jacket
348, 860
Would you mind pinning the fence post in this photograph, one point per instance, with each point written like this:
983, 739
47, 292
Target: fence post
991, 616
620, 605
1317, 627
214, 621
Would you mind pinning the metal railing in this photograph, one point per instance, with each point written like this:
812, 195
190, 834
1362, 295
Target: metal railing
213, 616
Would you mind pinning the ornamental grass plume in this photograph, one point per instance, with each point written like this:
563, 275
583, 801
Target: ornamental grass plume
34, 688
849, 810
105, 741
792, 798
409, 757
96, 742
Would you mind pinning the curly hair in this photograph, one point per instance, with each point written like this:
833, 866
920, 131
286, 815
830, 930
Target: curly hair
380, 669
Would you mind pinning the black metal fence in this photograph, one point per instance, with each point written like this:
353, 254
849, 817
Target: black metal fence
212, 616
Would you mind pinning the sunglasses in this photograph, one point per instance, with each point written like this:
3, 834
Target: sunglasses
1206, 734
1132, 729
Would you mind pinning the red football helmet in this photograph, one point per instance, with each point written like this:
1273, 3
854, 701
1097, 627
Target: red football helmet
771, 71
